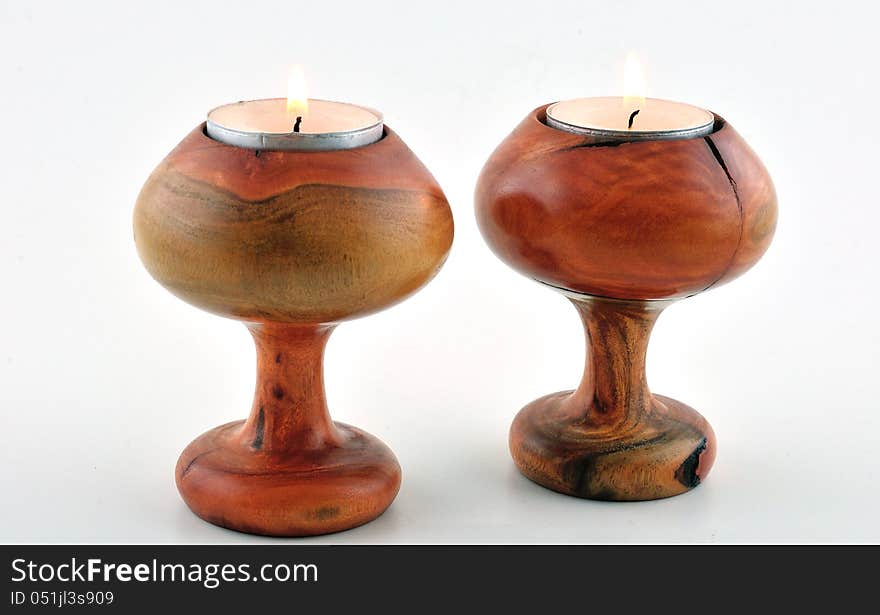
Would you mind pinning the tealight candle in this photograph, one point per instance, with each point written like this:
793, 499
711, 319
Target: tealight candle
295, 123
275, 124
631, 117
614, 117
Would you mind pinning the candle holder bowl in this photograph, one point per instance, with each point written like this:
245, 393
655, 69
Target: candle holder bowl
291, 243
622, 229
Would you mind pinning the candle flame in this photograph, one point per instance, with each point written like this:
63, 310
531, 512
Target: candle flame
297, 92
634, 83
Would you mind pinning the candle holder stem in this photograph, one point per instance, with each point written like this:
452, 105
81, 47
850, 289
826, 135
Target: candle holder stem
611, 438
614, 388
288, 470
290, 406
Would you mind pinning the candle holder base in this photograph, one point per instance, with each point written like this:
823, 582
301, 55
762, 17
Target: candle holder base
303, 492
665, 453
612, 439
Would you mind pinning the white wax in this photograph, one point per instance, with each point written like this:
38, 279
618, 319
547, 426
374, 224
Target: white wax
610, 116
268, 124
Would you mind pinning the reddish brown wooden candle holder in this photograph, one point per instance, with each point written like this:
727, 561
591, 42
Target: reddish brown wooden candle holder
291, 243
622, 229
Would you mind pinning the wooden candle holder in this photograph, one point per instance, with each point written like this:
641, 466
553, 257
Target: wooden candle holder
622, 229
291, 243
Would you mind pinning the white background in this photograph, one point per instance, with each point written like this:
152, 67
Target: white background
105, 376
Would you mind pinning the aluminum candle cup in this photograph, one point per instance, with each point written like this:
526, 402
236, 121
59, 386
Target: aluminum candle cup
624, 119
270, 124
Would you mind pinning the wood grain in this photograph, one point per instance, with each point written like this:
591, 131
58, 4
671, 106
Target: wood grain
291, 243
621, 228
307, 237
638, 220
611, 438
288, 470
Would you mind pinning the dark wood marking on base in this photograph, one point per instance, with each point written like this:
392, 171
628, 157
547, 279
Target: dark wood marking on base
607, 495
579, 472
582, 471
611, 439
326, 512
278, 392
686, 473
278, 358
193, 460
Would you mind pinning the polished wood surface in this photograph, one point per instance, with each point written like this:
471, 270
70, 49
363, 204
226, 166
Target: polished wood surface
286, 236
622, 229
611, 438
291, 243
288, 470
639, 220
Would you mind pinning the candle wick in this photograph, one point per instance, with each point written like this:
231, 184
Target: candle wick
296, 124
632, 117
